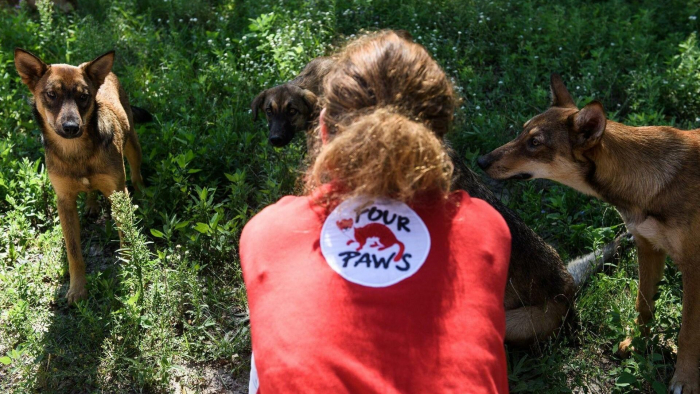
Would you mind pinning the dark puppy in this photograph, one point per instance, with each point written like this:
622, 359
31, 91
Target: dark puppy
291, 107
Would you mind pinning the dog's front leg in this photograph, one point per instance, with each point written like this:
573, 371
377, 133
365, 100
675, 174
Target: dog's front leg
70, 224
651, 271
687, 377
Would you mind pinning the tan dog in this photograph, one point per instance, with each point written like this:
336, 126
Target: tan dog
650, 174
87, 126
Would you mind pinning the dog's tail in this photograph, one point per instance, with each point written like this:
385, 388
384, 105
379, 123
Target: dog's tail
141, 115
583, 267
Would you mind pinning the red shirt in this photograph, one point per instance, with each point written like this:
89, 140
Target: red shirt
439, 330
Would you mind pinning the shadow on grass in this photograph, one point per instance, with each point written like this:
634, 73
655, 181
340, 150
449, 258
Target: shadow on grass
584, 359
79, 340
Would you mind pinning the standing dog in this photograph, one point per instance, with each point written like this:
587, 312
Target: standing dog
540, 288
650, 174
291, 107
87, 127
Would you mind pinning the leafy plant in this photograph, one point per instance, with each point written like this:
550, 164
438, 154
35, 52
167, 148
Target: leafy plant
169, 308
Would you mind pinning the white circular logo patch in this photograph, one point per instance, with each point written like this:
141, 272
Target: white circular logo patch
377, 244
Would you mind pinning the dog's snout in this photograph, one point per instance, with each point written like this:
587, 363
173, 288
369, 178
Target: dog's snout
277, 141
71, 127
484, 162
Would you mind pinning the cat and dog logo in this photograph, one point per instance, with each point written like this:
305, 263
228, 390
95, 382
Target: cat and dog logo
377, 244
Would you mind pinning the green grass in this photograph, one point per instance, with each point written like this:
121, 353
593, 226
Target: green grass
169, 310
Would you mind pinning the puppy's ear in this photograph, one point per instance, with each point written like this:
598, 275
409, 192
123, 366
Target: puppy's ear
29, 67
257, 103
560, 96
404, 34
98, 69
310, 99
589, 126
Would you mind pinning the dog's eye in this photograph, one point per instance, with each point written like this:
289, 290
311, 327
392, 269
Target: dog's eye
534, 142
51, 95
292, 111
84, 97
268, 111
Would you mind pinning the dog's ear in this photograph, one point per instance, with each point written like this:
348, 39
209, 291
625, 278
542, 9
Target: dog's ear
29, 67
404, 34
310, 99
98, 69
257, 103
560, 96
589, 125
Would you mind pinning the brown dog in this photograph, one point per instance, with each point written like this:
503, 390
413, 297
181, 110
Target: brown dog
650, 174
87, 127
291, 107
540, 288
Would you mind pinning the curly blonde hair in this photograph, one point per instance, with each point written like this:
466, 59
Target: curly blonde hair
388, 105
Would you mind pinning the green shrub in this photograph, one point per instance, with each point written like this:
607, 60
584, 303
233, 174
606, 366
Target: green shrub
170, 307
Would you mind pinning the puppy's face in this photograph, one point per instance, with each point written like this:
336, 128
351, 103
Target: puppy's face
288, 109
64, 95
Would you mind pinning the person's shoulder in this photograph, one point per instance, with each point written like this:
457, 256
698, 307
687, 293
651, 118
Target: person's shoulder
479, 213
272, 216
486, 230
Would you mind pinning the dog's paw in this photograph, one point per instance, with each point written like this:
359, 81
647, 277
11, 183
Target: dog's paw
624, 349
684, 383
76, 294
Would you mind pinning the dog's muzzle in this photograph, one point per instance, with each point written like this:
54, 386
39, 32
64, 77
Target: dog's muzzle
279, 141
484, 162
70, 130
522, 176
